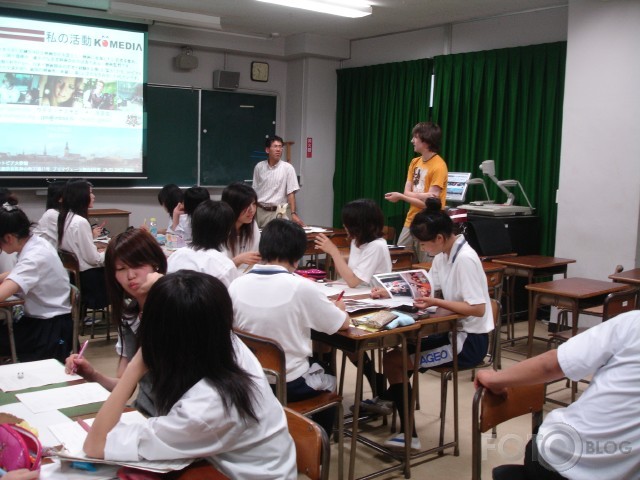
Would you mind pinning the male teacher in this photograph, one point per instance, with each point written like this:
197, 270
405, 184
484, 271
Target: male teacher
276, 184
427, 177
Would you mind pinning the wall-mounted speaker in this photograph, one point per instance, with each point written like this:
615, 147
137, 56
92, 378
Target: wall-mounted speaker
185, 61
225, 80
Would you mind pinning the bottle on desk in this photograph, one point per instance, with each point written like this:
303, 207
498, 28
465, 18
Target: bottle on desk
153, 227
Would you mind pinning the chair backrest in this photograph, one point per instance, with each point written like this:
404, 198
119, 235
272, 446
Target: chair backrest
490, 410
312, 445
271, 356
494, 282
494, 338
619, 302
74, 297
71, 263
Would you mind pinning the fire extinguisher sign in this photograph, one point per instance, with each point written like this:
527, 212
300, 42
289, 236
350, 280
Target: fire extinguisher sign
309, 147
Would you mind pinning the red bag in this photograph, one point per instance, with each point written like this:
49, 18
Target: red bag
19, 448
312, 273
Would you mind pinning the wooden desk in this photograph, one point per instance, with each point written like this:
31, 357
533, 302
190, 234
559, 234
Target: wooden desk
572, 294
531, 267
117, 221
631, 277
357, 341
401, 259
6, 310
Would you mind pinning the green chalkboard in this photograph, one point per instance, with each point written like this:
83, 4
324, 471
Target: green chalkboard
234, 128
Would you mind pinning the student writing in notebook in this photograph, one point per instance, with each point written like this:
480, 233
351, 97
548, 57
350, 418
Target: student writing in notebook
211, 223
213, 398
131, 257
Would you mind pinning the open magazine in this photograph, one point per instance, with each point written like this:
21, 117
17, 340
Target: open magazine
405, 285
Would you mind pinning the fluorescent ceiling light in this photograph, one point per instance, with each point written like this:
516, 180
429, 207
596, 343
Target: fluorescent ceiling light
164, 15
343, 8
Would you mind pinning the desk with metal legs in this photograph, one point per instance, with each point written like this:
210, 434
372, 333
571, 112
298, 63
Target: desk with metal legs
531, 267
357, 341
6, 311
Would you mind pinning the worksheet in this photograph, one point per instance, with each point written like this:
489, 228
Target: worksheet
20, 376
64, 397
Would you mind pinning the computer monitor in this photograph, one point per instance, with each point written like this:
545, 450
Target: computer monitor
457, 186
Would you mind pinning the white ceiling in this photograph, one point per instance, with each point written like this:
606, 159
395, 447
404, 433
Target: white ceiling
389, 16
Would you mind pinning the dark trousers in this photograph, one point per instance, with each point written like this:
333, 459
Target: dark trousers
531, 470
40, 338
299, 390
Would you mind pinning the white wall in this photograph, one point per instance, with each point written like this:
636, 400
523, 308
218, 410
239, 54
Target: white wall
599, 194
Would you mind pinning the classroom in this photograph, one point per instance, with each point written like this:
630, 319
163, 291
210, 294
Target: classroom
597, 202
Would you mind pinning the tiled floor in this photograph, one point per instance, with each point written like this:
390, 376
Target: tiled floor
506, 448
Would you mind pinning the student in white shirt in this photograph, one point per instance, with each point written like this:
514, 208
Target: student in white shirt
212, 221
244, 238
7, 260
181, 224
45, 330
47, 227
458, 284
369, 252
273, 302
131, 260
213, 397
76, 235
170, 196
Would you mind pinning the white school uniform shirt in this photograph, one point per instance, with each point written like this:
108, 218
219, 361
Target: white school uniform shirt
43, 281
183, 228
369, 259
211, 261
7, 261
602, 428
273, 184
246, 246
271, 302
78, 238
47, 227
198, 426
461, 278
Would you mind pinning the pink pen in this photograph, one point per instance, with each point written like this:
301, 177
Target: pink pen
340, 296
84, 347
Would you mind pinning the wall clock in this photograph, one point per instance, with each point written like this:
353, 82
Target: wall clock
259, 71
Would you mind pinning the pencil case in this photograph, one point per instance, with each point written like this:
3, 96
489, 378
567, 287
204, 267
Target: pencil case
19, 448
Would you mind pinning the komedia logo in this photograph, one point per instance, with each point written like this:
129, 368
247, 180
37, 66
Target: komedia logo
560, 448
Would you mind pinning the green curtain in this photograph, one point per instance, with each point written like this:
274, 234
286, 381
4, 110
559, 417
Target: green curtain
377, 107
505, 105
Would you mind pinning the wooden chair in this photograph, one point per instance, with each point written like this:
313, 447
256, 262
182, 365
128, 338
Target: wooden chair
490, 410
72, 265
74, 298
344, 244
312, 445
446, 373
389, 234
272, 358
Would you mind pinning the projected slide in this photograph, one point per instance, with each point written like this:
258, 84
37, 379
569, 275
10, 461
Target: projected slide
71, 99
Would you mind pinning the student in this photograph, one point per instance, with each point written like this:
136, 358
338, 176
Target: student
181, 224
76, 235
368, 256
245, 236
369, 252
272, 302
46, 329
212, 221
170, 196
214, 400
7, 260
426, 178
47, 227
599, 434
458, 275
130, 262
